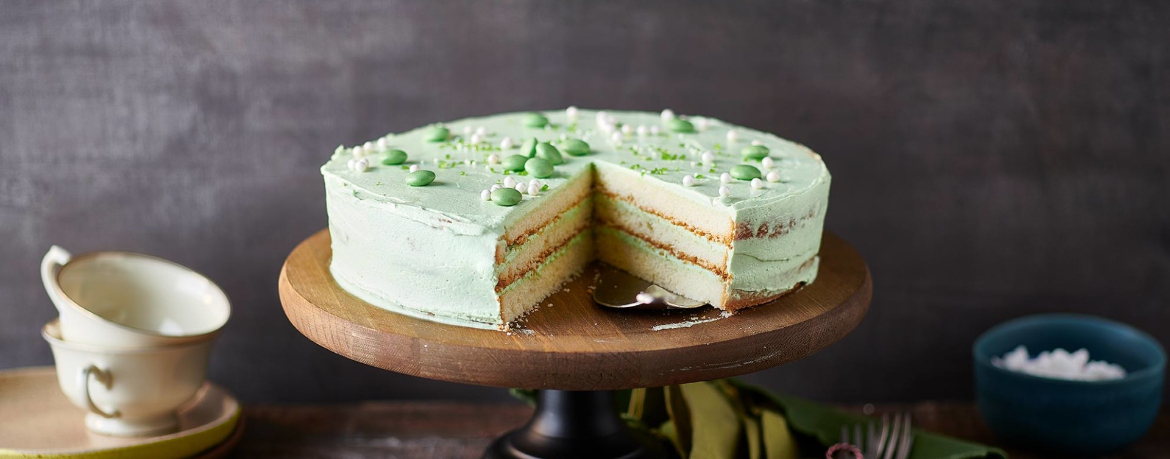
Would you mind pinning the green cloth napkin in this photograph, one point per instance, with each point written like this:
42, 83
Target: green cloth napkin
729, 419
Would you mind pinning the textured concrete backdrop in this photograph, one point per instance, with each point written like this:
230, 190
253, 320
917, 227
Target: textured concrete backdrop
990, 159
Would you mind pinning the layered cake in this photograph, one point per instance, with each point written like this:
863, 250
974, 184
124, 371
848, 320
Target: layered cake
475, 222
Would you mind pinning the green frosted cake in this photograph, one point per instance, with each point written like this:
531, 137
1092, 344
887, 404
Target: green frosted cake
475, 222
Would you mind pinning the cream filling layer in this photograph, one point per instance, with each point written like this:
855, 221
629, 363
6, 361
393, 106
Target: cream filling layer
661, 232
536, 247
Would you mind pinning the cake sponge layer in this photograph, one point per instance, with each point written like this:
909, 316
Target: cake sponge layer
635, 256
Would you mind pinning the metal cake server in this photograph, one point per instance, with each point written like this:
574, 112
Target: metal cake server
617, 289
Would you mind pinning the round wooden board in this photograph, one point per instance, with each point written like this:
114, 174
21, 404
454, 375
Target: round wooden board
574, 344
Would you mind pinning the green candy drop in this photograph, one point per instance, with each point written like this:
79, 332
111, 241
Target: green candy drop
547, 151
745, 172
756, 152
515, 163
437, 134
539, 167
506, 197
679, 125
575, 147
394, 158
528, 148
420, 178
534, 120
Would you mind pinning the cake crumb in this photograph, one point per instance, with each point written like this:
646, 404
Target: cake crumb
694, 320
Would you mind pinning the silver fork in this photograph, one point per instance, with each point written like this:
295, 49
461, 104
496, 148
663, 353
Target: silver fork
891, 441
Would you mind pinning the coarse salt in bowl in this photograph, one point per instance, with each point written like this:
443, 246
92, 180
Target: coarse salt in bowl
1065, 415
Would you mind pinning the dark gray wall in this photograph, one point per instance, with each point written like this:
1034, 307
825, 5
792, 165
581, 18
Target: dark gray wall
990, 159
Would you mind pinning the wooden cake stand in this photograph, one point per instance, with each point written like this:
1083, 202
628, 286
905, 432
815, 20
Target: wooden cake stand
577, 350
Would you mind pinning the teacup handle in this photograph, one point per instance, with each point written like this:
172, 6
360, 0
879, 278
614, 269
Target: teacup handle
50, 264
107, 380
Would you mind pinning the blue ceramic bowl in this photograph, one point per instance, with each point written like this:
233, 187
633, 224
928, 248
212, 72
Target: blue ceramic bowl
1070, 417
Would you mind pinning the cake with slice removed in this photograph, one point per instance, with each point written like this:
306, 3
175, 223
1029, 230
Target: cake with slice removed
475, 222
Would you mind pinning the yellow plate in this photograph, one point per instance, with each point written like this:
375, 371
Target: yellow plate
37, 421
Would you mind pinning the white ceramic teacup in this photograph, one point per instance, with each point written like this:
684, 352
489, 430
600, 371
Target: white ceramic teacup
127, 391
123, 299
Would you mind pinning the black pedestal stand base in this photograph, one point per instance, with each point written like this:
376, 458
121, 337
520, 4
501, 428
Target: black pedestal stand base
571, 425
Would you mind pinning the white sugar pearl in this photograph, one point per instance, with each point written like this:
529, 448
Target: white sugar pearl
350, 164
724, 191
757, 142
521, 187
361, 165
644, 298
627, 129
708, 158
701, 124
774, 176
616, 136
653, 130
757, 184
476, 139
382, 143
725, 178
358, 152
732, 136
485, 195
414, 168
509, 182
505, 144
667, 115
642, 130
494, 188
481, 131
536, 182
602, 117
466, 130
571, 113
368, 147
688, 180
469, 162
533, 188
493, 158
768, 163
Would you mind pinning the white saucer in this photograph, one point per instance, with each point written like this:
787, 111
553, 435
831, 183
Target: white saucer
37, 421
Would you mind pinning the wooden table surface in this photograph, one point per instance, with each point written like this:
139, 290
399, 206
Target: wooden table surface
410, 430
